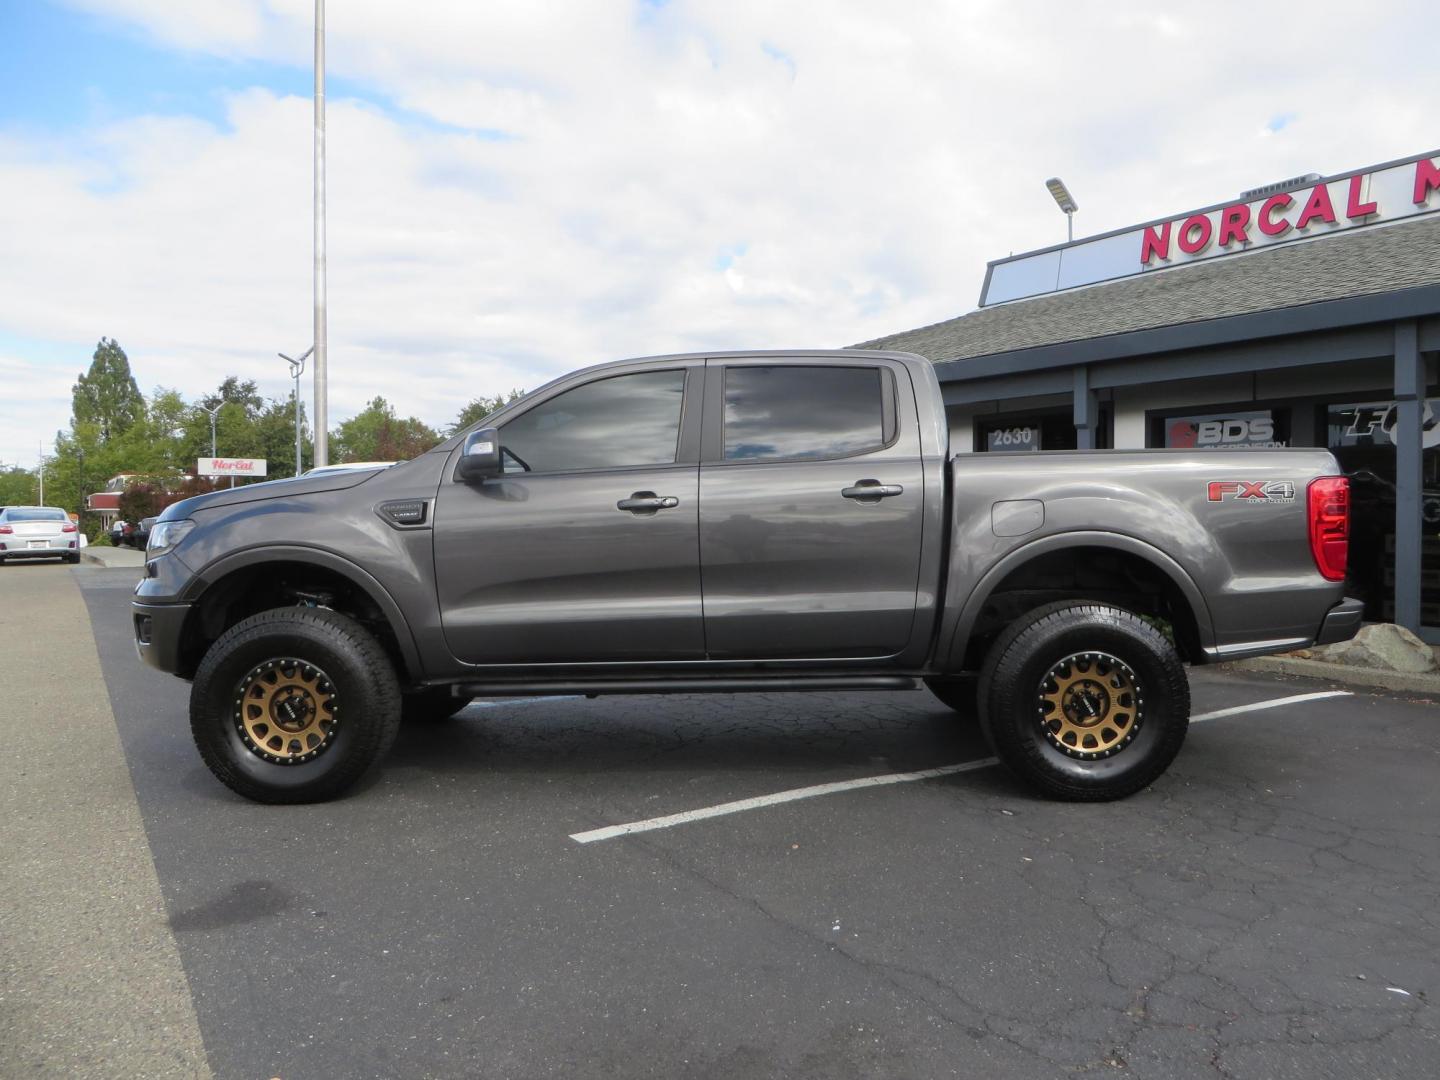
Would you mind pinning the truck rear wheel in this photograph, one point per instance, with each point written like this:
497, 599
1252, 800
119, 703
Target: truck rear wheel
294, 705
1084, 701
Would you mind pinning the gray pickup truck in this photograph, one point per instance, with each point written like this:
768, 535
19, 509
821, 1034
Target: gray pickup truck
739, 522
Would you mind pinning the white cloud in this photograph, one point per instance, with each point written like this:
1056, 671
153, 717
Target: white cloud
703, 174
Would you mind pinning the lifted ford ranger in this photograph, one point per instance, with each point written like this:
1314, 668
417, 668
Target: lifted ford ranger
739, 522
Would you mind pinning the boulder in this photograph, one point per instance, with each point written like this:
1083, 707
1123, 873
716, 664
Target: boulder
1380, 645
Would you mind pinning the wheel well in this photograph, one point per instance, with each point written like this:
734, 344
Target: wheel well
252, 589
1087, 573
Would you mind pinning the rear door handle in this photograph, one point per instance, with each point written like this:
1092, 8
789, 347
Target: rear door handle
871, 491
644, 503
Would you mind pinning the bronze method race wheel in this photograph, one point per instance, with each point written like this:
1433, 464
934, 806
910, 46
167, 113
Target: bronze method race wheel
285, 711
1091, 705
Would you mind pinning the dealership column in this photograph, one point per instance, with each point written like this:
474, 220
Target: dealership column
1409, 406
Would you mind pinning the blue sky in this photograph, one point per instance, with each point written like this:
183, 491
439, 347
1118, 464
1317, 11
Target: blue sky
519, 189
62, 70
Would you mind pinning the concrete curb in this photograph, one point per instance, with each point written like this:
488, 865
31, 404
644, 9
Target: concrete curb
1402, 681
126, 557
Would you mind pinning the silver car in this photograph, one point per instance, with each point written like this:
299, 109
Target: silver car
38, 532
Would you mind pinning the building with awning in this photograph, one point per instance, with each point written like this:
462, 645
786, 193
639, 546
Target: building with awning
1306, 313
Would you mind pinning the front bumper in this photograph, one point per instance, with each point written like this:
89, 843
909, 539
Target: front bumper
1341, 622
158, 629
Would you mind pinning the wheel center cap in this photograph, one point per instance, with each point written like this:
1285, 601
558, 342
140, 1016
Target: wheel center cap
293, 710
1086, 702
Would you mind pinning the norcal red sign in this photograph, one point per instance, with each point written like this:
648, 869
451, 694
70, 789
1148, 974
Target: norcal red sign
1341, 203
1277, 214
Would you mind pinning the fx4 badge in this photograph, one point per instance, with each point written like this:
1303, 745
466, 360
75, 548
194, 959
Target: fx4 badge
1257, 492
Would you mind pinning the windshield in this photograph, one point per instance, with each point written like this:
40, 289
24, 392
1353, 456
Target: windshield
36, 513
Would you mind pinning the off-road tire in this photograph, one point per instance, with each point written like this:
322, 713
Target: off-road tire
957, 694
1012, 680
366, 696
432, 705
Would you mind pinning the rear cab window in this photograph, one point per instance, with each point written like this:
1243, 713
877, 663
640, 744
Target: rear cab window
806, 412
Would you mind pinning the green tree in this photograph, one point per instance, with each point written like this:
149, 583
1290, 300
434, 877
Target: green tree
17, 486
377, 434
106, 395
275, 428
481, 407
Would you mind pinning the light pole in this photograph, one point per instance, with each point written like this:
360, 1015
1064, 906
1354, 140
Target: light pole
322, 385
297, 368
1061, 194
213, 413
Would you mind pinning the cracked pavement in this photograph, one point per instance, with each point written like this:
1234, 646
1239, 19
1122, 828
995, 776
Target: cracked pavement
1256, 913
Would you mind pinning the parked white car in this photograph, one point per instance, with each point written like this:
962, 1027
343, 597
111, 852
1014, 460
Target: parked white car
38, 532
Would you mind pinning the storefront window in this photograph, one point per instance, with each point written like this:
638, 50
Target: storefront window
1013, 437
1043, 431
1242, 430
1361, 435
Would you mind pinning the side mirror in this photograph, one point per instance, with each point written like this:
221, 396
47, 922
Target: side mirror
481, 456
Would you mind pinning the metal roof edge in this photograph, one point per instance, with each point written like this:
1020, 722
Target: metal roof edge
1415, 302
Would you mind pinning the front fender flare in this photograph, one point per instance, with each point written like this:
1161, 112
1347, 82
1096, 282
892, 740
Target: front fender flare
319, 557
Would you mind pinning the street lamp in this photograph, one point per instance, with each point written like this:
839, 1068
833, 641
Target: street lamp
297, 368
1063, 199
212, 413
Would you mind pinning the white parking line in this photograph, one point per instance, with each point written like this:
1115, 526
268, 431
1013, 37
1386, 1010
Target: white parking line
609, 832
1273, 703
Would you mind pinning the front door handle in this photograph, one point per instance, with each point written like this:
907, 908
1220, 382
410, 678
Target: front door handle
645, 503
871, 491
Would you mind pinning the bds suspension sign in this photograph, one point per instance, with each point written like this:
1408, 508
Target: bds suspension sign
230, 466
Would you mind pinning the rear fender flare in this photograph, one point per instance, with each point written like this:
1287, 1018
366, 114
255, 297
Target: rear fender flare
959, 637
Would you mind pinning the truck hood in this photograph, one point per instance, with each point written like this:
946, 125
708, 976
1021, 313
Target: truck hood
289, 488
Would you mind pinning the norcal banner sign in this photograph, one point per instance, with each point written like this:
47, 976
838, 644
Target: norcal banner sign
1280, 213
230, 466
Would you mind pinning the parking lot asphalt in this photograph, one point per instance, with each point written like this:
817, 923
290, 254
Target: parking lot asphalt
1267, 909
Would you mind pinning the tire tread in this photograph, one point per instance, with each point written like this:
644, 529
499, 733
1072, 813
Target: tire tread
340, 632
999, 682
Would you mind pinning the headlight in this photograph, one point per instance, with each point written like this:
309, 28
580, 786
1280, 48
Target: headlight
165, 535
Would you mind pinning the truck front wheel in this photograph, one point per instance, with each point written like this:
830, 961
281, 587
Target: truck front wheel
294, 705
1084, 701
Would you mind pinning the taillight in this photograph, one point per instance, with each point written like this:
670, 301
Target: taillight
67, 528
5, 530
1329, 499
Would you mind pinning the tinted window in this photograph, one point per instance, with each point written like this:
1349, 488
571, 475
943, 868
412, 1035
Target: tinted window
16, 513
609, 424
801, 412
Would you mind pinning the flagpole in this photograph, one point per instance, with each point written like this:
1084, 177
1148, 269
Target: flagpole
322, 383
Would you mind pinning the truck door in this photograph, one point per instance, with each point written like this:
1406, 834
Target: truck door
811, 497
586, 548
